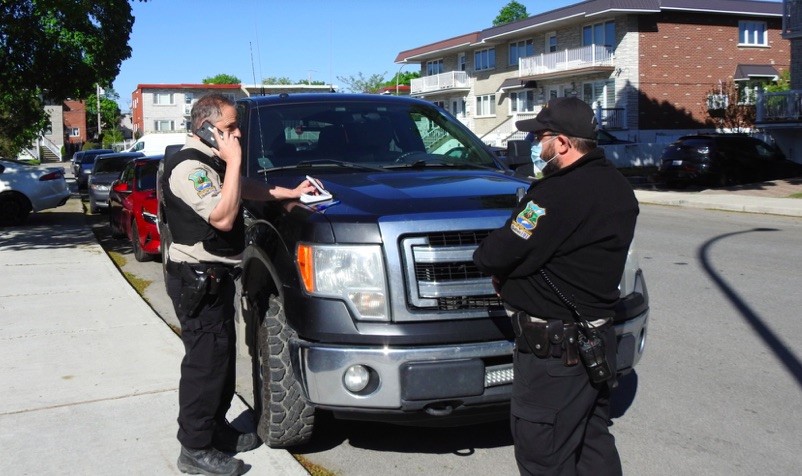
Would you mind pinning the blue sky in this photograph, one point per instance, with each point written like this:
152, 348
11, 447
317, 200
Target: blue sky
184, 41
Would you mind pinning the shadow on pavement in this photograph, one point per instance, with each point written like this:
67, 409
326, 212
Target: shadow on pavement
460, 441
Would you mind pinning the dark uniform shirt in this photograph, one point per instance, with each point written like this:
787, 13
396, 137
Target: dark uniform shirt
578, 224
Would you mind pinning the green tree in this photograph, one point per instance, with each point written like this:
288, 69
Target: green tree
361, 84
404, 78
275, 80
311, 83
222, 78
511, 12
109, 112
111, 137
53, 50
783, 83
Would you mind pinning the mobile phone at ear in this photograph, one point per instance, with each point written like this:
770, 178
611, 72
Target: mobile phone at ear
204, 133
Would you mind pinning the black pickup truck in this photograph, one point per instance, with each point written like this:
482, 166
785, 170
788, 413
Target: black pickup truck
369, 305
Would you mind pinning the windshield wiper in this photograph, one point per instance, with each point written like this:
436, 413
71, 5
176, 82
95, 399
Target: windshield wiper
420, 164
324, 162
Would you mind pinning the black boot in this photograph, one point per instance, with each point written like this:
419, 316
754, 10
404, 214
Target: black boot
209, 461
227, 438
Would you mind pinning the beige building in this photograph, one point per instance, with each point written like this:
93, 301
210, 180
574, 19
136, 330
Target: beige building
166, 107
647, 68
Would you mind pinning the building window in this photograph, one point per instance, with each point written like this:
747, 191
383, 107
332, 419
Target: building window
523, 101
752, 33
163, 98
484, 59
164, 125
75, 132
521, 49
600, 93
602, 34
434, 67
551, 42
486, 105
461, 62
188, 97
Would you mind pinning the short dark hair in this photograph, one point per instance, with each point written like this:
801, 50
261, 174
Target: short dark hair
209, 108
583, 145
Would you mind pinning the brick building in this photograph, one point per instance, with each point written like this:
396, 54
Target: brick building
646, 67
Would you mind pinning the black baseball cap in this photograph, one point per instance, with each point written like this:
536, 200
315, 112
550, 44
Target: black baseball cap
568, 115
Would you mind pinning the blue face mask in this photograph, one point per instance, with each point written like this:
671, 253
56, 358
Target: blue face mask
539, 163
536, 149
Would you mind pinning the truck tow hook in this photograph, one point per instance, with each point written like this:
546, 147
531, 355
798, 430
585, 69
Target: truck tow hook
439, 409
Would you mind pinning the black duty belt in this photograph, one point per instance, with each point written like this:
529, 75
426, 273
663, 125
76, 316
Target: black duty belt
218, 269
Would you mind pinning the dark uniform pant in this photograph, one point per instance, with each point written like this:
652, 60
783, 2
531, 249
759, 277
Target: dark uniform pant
559, 420
208, 368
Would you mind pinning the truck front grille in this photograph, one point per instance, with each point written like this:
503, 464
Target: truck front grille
441, 273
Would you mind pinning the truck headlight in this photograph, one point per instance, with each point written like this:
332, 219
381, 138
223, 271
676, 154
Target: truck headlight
354, 273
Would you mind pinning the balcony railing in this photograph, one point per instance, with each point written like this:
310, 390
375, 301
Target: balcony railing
593, 55
785, 106
440, 82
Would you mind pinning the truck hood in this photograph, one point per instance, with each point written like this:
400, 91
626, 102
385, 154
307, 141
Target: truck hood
378, 194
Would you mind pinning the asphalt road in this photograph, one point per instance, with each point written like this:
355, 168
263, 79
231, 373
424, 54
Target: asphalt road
716, 393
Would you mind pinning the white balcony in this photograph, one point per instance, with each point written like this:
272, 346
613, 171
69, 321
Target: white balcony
566, 60
440, 82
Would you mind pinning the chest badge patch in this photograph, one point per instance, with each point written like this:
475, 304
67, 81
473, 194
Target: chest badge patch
200, 180
526, 221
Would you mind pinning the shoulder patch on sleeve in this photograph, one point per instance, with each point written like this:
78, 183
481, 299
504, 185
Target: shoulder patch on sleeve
526, 221
200, 180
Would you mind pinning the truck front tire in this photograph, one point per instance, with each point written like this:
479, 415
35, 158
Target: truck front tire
285, 417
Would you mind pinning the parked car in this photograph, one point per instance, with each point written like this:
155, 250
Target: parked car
25, 188
107, 169
133, 207
722, 160
82, 167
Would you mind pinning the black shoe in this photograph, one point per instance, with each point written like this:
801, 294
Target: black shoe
209, 461
227, 438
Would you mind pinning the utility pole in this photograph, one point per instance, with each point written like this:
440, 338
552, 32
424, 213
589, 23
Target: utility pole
98, 92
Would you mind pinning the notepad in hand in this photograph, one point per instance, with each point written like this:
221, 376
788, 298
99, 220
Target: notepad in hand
321, 196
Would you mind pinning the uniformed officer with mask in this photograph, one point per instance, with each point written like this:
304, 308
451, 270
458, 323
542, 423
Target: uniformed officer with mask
202, 189
569, 235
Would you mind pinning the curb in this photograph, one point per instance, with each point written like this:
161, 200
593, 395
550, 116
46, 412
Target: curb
724, 202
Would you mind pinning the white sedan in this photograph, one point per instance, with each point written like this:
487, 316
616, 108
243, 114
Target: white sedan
25, 188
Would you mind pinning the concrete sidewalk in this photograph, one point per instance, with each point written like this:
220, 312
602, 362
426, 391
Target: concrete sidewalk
89, 372
767, 197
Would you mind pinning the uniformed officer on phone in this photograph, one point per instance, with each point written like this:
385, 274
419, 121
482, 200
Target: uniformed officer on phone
558, 261
202, 188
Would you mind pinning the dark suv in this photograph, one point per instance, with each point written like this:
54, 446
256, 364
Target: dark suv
721, 160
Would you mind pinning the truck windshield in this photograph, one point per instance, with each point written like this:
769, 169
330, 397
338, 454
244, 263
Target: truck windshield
363, 134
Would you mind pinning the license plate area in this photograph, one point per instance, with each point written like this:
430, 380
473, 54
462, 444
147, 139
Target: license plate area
442, 379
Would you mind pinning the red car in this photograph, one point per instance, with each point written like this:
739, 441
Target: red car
133, 207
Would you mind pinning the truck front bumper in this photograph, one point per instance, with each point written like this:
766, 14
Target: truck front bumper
411, 379
405, 378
